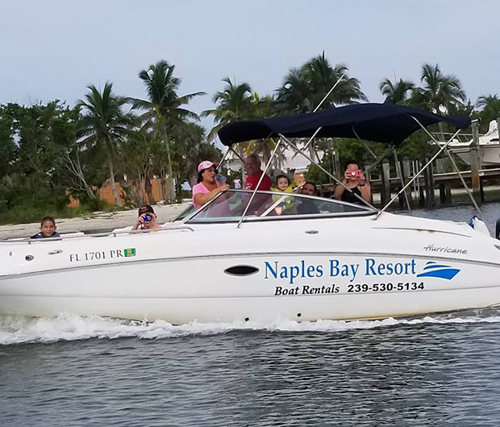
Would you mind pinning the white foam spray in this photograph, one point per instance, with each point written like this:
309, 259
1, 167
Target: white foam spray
69, 327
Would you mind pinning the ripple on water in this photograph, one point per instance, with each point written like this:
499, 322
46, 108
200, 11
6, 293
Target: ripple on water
71, 370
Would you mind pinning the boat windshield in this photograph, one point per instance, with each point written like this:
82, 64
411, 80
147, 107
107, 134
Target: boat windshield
267, 205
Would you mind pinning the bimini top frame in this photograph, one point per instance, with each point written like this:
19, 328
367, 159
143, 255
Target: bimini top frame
385, 123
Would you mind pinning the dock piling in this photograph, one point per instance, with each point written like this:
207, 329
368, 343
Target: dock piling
474, 156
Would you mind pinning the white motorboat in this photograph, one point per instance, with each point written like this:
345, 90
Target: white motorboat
489, 148
261, 256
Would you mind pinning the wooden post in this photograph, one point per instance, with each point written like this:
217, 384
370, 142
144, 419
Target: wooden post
431, 202
474, 163
421, 188
444, 190
440, 169
406, 171
385, 189
429, 185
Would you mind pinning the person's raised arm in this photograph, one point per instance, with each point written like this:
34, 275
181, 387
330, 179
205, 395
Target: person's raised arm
139, 222
339, 190
201, 199
366, 191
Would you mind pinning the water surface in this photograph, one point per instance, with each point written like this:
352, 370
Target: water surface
436, 370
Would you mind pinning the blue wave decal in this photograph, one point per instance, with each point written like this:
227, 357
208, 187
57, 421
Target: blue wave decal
448, 273
436, 266
439, 270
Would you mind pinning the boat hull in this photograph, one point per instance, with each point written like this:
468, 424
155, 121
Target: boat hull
489, 154
309, 286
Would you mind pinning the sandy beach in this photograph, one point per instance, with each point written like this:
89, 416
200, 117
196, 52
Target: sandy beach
95, 222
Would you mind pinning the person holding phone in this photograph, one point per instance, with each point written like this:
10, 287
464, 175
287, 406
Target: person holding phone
146, 219
355, 180
209, 183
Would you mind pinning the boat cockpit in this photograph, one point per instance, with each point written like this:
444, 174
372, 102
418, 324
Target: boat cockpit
230, 206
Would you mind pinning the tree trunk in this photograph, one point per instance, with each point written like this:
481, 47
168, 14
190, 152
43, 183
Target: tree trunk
149, 190
171, 193
118, 201
75, 168
166, 141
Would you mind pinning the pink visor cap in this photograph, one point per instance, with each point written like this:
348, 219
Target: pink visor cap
205, 164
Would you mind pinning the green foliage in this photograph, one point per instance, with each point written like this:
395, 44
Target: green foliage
316, 175
397, 93
490, 109
48, 151
166, 124
234, 103
304, 88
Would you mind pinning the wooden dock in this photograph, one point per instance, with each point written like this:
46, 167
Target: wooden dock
431, 188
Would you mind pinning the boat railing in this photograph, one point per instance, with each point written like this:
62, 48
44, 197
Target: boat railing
118, 233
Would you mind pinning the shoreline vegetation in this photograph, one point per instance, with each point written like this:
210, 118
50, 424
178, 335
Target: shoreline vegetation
53, 153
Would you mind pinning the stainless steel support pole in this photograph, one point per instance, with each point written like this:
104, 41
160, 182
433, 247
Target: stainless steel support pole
224, 157
398, 168
330, 91
328, 173
364, 143
379, 159
239, 157
258, 184
262, 143
416, 175
457, 170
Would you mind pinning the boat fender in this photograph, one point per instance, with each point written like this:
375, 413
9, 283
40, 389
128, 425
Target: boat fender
497, 229
478, 224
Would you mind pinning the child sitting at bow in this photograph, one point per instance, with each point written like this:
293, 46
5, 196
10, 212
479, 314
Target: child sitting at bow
47, 229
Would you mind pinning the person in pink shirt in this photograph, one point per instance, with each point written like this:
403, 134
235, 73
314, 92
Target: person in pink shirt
208, 187
254, 172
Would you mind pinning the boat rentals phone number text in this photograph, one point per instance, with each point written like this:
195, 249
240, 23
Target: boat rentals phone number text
351, 288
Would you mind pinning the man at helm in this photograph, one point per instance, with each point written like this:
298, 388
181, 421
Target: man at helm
254, 172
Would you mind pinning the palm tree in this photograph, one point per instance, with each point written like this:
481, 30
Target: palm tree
490, 109
236, 102
487, 101
304, 88
398, 92
105, 123
294, 95
439, 91
322, 77
164, 107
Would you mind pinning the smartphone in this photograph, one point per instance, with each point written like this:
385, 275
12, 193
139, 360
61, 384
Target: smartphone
354, 173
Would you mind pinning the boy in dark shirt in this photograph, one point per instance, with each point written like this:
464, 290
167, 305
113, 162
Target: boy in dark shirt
47, 229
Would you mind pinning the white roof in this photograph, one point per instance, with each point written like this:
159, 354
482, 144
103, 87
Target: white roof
293, 161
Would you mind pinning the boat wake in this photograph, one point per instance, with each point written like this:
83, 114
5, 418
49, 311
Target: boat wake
69, 327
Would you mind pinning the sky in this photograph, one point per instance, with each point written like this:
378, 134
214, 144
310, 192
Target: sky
53, 49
